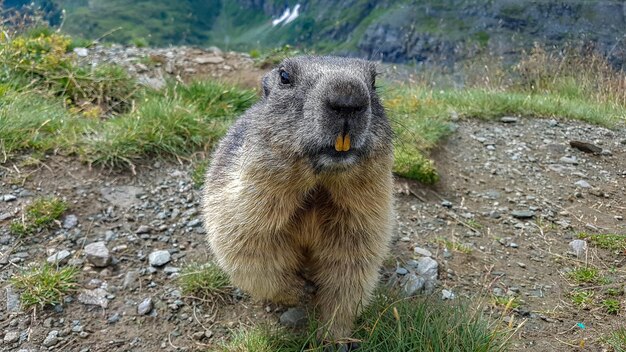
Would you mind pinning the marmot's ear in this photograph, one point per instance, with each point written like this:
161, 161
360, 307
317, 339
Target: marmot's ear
265, 82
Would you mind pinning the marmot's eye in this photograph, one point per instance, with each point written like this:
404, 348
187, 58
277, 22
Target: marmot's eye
284, 76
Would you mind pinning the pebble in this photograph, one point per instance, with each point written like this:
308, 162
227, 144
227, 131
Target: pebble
97, 254
413, 285
59, 257
422, 252
401, 271
13, 300
569, 160
70, 221
9, 198
52, 338
582, 184
81, 52
509, 119
445, 294
145, 307
131, 280
159, 258
114, 318
294, 317
522, 214
96, 297
143, 229
446, 204
11, 337
203, 60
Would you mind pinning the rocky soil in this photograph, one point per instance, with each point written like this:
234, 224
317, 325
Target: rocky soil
514, 194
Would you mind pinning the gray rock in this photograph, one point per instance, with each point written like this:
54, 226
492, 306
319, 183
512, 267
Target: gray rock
52, 338
401, 271
81, 52
446, 204
413, 285
59, 257
13, 300
95, 297
156, 83
427, 268
5, 216
9, 198
523, 214
294, 317
508, 119
578, 247
569, 160
582, 184
194, 223
70, 221
159, 258
145, 307
445, 294
203, 60
143, 229
422, 251
131, 280
114, 318
122, 196
97, 254
11, 337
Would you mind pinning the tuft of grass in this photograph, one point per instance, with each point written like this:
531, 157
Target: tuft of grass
613, 242
198, 173
454, 246
616, 340
393, 325
582, 298
611, 306
45, 285
38, 215
203, 281
506, 302
585, 275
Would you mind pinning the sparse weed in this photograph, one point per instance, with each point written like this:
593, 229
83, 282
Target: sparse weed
506, 302
454, 246
613, 242
45, 285
584, 275
198, 173
611, 306
581, 298
203, 281
616, 340
38, 215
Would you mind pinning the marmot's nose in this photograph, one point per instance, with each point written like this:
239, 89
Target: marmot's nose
347, 97
346, 104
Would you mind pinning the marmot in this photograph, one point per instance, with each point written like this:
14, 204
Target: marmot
302, 183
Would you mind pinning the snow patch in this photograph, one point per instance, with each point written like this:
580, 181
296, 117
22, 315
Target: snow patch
288, 16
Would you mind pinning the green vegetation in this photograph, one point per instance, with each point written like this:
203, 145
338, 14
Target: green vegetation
506, 302
616, 340
38, 215
203, 281
613, 242
394, 325
585, 275
45, 285
611, 306
454, 246
582, 298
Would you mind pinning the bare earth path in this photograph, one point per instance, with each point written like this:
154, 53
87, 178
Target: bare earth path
491, 171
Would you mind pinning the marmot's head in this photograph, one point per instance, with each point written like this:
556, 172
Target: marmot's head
325, 109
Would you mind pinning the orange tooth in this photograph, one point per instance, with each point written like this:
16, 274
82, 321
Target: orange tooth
339, 143
346, 143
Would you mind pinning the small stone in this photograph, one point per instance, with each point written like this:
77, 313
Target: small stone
145, 307
131, 280
143, 229
446, 204
521, 265
579, 247
97, 254
159, 258
9, 198
569, 160
81, 52
13, 300
203, 60
513, 245
445, 294
401, 271
294, 317
171, 270
523, 214
70, 221
199, 335
422, 252
114, 318
508, 119
194, 223
11, 337
582, 184
96, 297
586, 147
59, 257
52, 338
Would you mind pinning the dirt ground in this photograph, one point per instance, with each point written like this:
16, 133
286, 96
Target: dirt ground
499, 223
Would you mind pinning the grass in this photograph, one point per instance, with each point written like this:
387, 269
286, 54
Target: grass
454, 246
585, 275
616, 340
45, 285
506, 302
203, 281
394, 325
198, 172
611, 306
613, 242
38, 215
582, 298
